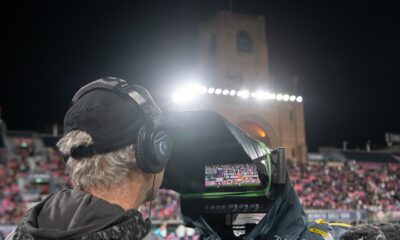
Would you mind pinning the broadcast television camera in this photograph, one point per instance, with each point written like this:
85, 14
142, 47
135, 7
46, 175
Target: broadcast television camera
224, 176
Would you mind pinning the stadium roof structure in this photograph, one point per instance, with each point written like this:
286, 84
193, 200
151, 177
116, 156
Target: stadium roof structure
370, 157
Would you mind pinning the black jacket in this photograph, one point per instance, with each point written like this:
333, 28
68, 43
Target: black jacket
74, 214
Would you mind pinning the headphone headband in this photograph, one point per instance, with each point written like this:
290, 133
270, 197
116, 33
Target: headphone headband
154, 143
102, 83
135, 92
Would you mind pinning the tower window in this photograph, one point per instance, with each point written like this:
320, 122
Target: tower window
243, 42
213, 44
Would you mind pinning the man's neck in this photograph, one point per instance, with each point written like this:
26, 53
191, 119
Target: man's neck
129, 194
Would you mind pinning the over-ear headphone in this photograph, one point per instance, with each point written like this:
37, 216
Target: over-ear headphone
154, 142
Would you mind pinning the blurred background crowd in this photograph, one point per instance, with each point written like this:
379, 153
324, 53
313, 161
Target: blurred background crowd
30, 170
366, 186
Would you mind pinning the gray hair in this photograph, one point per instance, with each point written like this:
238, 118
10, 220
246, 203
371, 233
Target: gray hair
100, 171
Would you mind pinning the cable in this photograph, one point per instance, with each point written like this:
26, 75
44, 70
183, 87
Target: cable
152, 192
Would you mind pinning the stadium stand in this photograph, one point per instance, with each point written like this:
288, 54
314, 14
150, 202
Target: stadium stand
374, 187
31, 168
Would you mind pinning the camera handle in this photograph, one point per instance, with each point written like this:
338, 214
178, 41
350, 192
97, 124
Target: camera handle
280, 172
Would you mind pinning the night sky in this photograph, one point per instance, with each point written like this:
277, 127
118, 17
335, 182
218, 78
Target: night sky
345, 55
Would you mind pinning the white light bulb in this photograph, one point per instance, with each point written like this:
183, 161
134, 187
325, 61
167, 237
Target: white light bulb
211, 90
299, 99
292, 98
259, 95
244, 94
225, 92
272, 96
232, 92
279, 97
286, 97
218, 91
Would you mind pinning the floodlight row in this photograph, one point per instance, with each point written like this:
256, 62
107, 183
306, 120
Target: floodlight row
259, 95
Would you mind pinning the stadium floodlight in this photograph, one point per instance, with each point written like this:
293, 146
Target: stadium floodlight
243, 94
265, 95
259, 95
193, 90
286, 97
272, 96
203, 90
187, 93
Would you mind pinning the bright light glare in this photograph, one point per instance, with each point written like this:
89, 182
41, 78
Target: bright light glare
187, 93
265, 95
272, 96
262, 95
225, 92
232, 92
259, 95
292, 98
218, 91
279, 97
203, 90
243, 94
211, 90
299, 99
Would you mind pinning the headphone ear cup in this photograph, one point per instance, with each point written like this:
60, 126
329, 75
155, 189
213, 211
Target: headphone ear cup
162, 145
153, 149
141, 149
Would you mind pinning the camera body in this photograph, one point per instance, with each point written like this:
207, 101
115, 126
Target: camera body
222, 173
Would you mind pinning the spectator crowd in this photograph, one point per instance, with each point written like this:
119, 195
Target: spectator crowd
372, 187
26, 177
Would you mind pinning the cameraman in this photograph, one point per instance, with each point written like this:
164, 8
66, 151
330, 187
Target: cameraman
102, 136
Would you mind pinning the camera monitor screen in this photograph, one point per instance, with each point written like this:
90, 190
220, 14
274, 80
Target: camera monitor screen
231, 175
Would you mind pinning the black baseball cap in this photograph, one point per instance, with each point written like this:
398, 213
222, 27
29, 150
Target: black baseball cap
112, 120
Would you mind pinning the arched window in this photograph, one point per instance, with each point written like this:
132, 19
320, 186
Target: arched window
243, 42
